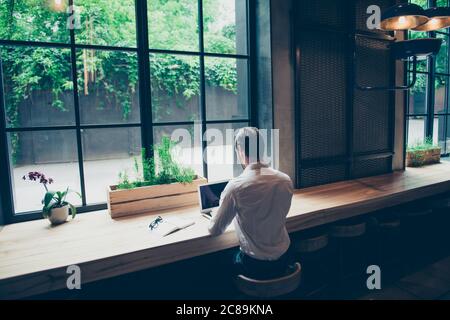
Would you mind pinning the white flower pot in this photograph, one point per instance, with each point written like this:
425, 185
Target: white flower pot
59, 215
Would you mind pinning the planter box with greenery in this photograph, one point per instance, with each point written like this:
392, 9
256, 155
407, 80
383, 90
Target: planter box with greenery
164, 185
422, 154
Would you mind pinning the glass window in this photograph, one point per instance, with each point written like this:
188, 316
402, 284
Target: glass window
418, 95
83, 132
108, 86
34, 20
105, 22
442, 56
416, 130
188, 151
225, 26
175, 87
226, 88
440, 94
53, 153
173, 25
107, 152
38, 86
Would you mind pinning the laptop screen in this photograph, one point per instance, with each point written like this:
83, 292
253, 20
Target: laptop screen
210, 194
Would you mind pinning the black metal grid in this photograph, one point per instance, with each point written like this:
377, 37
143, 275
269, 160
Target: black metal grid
341, 133
146, 123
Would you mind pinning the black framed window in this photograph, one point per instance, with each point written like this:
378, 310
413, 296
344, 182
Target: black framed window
88, 83
428, 112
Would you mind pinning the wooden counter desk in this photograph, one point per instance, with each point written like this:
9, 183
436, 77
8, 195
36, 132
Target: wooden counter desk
34, 256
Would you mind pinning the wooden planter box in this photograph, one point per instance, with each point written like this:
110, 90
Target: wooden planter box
128, 202
423, 157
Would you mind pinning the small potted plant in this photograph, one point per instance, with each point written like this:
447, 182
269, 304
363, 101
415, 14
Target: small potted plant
55, 206
423, 153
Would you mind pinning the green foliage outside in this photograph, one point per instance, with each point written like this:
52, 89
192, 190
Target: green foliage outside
163, 170
172, 26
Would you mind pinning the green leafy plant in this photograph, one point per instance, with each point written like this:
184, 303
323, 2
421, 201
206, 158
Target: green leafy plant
52, 199
417, 153
57, 199
163, 170
427, 144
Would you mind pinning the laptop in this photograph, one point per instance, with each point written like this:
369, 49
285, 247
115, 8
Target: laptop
209, 197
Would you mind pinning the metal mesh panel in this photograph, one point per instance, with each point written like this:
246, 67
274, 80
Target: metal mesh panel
371, 108
322, 95
372, 167
361, 12
322, 175
332, 13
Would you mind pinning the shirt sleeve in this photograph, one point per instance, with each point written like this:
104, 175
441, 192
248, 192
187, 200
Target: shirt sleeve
225, 214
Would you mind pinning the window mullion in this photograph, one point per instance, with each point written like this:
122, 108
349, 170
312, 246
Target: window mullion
73, 54
202, 88
145, 101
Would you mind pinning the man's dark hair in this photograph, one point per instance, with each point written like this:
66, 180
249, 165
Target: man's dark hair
249, 140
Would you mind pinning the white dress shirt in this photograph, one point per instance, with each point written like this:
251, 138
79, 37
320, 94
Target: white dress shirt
258, 201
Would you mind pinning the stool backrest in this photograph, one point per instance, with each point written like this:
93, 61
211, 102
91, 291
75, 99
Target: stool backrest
272, 287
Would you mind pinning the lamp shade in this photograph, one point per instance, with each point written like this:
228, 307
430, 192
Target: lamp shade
403, 17
415, 48
439, 18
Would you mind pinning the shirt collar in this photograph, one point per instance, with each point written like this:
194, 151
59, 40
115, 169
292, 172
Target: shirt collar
254, 167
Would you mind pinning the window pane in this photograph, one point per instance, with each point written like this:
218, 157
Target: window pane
226, 88
173, 25
188, 152
442, 56
225, 26
38, 86
108, 86
439, 132
53, 153
106, 22
107, 152
416, 130
447, 138
175, 87
34, 20
422, 62
441, 87
441, 3
418, 95
222, 163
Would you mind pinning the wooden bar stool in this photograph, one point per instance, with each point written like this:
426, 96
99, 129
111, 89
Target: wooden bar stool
417, 235
350, 251
310, 247
270, 288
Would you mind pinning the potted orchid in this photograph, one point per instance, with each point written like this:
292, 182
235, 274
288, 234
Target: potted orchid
55, 206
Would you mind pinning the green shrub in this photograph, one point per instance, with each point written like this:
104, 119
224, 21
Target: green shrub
163, 170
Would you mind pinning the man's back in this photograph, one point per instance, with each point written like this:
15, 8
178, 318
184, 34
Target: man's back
260, 198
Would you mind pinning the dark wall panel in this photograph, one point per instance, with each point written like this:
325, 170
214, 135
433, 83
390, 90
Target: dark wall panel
322, 175
322, 98
331, 13
337, 124
371, 167
371, 109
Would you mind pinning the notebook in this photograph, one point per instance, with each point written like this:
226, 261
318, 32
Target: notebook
170, 225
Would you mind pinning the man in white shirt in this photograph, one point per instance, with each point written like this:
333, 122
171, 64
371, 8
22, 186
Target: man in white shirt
258, 201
